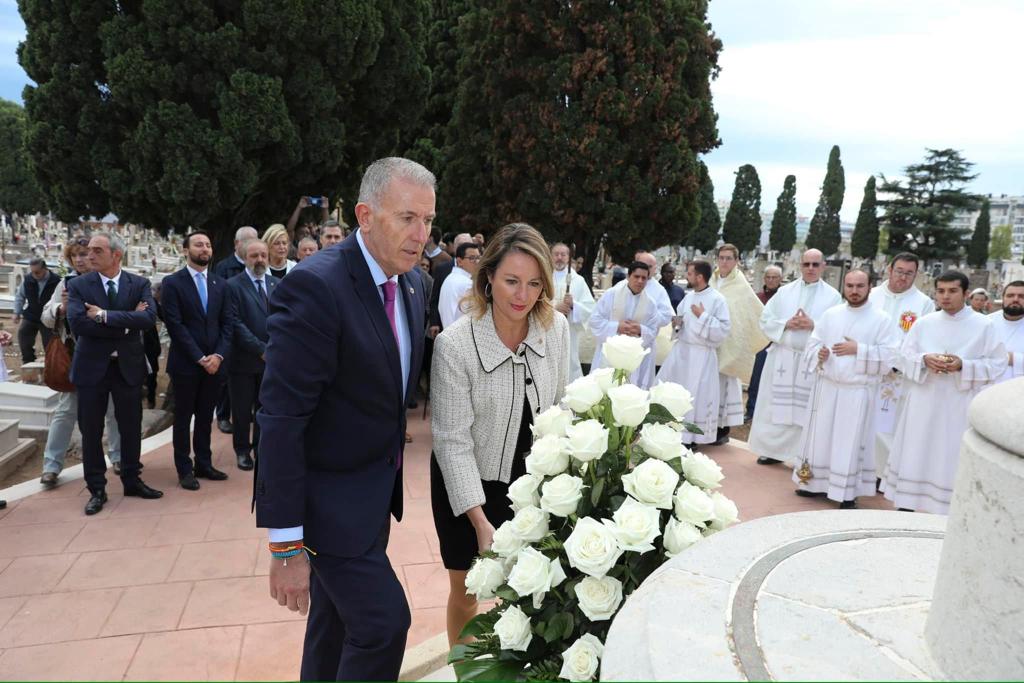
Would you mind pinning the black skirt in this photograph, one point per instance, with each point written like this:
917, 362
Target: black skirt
455, 533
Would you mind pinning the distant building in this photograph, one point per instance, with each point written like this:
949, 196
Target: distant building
1003, 210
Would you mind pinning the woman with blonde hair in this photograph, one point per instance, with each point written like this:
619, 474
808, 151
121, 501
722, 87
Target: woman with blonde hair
278, 244
495, 368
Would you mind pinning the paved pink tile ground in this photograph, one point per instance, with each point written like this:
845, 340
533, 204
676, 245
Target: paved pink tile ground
176, 589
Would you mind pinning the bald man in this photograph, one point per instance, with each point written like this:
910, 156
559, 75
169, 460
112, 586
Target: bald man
785, 387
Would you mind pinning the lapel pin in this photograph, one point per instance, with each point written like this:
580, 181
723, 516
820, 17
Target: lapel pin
412, 291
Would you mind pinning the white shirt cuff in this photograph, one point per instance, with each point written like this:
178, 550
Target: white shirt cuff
284, 535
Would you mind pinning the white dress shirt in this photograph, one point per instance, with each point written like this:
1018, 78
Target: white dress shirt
453, 289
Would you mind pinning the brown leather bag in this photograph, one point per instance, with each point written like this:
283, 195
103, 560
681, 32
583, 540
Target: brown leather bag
57, 371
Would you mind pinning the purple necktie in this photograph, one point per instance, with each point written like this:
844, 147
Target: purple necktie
389, 307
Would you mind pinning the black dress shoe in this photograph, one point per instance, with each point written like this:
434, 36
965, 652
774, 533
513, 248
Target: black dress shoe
804, 493
225, 426
139, 489
767, 461
211, 473
49, 479
96, 502
189, 482
244, 461
848, 505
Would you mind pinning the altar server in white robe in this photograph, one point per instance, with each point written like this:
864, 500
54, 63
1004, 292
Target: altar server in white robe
573, 300
1009, 324
656, 291
905, 304
627, 309
693, 359
785, 387
851, 348
948, 357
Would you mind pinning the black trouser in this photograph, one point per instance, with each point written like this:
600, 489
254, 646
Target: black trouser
755, 380
224, 403
27, 332
194, 395
92, 409
245, 401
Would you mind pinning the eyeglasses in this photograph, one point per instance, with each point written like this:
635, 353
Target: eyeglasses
903, 273
470, 258
811, 264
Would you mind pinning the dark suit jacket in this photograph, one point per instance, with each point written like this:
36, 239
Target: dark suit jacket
248, 323
228, 267
195, 333
333, 415
439, 272
122, 332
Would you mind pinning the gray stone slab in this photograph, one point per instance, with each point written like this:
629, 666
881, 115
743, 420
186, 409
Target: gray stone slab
901, 630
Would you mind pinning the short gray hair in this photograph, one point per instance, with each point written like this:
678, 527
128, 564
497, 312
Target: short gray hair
381, 172
775, 268
246, 243
245, 232
113, 239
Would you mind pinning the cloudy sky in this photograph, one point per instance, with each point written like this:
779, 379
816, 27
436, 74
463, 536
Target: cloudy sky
883, 79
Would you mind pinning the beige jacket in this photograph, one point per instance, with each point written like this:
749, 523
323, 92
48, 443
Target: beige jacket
477, 389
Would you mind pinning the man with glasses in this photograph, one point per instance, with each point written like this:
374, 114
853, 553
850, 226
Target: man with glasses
905, 304
455, 286
772, 280
786, 383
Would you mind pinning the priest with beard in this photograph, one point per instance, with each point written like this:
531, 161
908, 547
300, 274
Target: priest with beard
628, 309
947, 358
573, 300
1009, 324
850, 349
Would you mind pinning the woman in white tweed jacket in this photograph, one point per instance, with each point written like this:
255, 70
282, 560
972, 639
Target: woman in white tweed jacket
493, 369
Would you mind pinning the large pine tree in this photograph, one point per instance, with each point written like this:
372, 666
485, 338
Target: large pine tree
824, 231
742, 226
783, 233
864, 242
977, 251
704, 236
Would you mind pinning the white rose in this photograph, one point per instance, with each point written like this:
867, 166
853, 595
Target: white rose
623, 352
529, 524
548, 456
726, 513
505, 541
702, 470
674, 397
561, 495
652, 482
599, 598
588, 440
513, 629
534, 574
693, 505
636, 525
523, 492
592, 548
484, 577
679, 536
661, 442
605, 378
580, 661
552, 421
582, 394
629, 405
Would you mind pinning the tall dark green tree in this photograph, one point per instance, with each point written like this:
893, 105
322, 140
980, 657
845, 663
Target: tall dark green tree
864, 242
977, 250
216, 114
919, 209
704, 236
824, 231
742, 226
18, 189
584, 119
783, 233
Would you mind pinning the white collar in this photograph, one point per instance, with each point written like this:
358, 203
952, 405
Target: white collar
116, 279
252, 276
435, 252
193, 272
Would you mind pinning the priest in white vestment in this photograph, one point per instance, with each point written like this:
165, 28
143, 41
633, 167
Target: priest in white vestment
655, 290
737, 353
785, 388
626, 308
905, 304
851, 348
948, 357
693, 359
573, 300
1009, 324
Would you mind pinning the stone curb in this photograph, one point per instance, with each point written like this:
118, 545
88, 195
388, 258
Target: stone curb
425, 658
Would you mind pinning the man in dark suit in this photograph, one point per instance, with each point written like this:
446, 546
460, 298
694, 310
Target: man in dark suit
195, 311
227, 268
346, 341
108, 309
249, 293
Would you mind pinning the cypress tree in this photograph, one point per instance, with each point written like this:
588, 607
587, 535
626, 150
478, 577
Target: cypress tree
18, 189
864, 243
704, 236
783, 233
742, 225
977, 252
824, 230
1000, 247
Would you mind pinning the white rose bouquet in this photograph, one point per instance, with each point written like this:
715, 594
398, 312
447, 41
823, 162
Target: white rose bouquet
610, 494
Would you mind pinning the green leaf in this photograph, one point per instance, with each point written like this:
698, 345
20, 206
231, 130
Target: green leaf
559, 627
479, 625
507, 594
460, 652
676, 464
595, 493
658, 414
488, 670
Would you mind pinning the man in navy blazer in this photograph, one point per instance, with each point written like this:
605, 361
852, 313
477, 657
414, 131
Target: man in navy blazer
108, 309
249, 295
346, 342
195, 312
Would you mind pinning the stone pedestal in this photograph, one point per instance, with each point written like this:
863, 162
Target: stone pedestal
976, 626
